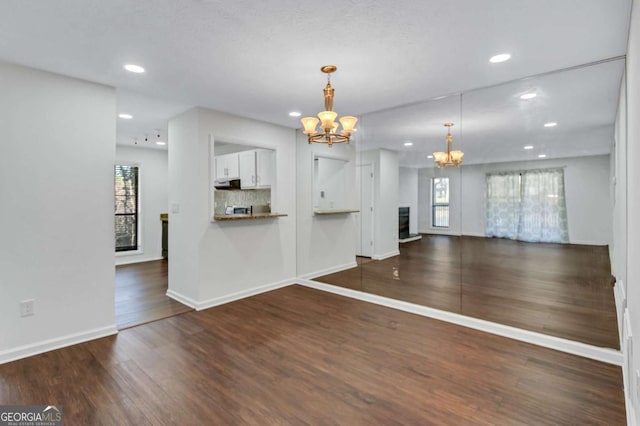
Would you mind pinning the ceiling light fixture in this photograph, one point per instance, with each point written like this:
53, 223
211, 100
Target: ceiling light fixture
551, 124
329, 128
408, 143
134, 68
294, 114
527, 96
429, 156
125, 116
502, 57
528, 147
449, 158
542, 155
158, 141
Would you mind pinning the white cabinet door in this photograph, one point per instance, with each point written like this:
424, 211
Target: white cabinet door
264, 167
221, 168
227, 166
248, 169
233, 166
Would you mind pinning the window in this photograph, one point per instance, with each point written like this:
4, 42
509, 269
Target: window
126, 207
527, 206
440, 202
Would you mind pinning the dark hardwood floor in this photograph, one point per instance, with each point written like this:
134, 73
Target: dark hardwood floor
141, 294
561, 290
302, 356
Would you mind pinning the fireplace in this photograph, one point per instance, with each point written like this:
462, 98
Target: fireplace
403, 222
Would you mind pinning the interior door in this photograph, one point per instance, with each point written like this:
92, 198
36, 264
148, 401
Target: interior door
365, 242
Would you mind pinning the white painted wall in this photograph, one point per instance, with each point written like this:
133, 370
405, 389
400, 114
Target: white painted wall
330, 183
324, 242
386, 173
408, 195
633, 199
387, 225
587, 193
618, 248
213, 262
153, 193
56, 184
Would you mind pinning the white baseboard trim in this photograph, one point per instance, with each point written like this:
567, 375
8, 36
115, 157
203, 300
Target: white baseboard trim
410, 239
129, 262
385, 255
473, 234
607, 355
588, 243
57, 343
181, 298
437, 232
331, 270
210, 303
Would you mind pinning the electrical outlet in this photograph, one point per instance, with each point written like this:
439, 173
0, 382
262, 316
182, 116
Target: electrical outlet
27, 308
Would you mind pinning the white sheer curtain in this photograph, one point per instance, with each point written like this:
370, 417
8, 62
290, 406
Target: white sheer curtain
528, 206
502, 212
543, 211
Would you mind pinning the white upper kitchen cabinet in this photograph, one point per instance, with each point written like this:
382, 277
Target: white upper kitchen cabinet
227, 166
256, 168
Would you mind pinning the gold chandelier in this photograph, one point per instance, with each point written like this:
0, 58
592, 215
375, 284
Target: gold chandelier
329, 128
449, 158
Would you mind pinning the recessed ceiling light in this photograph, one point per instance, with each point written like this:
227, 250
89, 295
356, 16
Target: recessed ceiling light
161, 143
125, 116
528, 96
408, 143
500, 58
294, 114
528, 147
134, 68
542, 155
550, 124
429, 156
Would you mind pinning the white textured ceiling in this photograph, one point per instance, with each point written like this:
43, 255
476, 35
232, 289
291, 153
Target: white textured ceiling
262, 59
494, 124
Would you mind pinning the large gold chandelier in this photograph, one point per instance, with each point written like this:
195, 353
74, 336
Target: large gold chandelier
449, 158
329, 128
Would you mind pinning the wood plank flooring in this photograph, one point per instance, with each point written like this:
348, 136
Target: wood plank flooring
557, 289
302, 356
141, 294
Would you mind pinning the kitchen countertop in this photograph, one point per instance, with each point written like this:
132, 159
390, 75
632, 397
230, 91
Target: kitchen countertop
225, 217
335, 211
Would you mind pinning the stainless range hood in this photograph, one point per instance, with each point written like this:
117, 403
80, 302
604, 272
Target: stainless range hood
227, 184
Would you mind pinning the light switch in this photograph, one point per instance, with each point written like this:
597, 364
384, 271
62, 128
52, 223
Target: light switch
175, 208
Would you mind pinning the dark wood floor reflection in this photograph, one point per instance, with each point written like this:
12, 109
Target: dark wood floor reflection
557, 289
302, 356
141, 294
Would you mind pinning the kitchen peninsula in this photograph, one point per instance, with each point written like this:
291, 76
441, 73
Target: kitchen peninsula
248, 216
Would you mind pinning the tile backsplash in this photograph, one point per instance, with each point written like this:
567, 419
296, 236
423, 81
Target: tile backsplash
241, 198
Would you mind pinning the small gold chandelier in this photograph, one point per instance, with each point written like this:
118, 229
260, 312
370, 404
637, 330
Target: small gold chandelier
329, 128
449, 158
